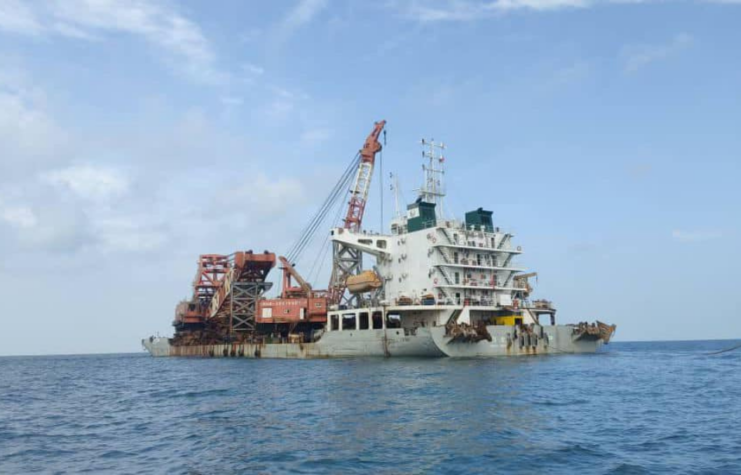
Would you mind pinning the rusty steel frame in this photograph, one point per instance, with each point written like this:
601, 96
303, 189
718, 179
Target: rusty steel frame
243, 305
212, 269
346, 261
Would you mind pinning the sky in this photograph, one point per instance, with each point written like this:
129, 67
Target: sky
136, 135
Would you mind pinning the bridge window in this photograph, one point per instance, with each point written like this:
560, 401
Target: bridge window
334, 322
377, 320
381, 244
457, 278
349, 322
364, 321
455, 257
393, 320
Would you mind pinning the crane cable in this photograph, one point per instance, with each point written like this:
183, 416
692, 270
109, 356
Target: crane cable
322, 254
309, 231
380, 177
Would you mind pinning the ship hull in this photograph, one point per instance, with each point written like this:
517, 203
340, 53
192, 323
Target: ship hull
420, 342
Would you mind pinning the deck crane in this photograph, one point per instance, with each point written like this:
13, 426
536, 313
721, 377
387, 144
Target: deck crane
300, 307
347, 261
303, 289
359, 191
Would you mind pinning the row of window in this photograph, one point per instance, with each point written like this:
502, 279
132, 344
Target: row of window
479, 260
363, 321
473, 243
469, 280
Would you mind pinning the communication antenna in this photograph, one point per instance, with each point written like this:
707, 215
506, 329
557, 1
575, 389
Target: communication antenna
433, 190
397, 190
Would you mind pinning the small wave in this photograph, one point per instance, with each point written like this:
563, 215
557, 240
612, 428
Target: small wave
552, 402
628, 469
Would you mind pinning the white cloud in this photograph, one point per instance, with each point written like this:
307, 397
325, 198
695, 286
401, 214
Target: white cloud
431, 11
18, 216
283, 103
252, 69
128, 234
39, 223
260, 192
18, 17
573, 72
461, 10
72, 202
636, 57
185, 45
539, 5
249, 73
28, 134
89, 182
231, 101
301, 14
695, 236
70, 31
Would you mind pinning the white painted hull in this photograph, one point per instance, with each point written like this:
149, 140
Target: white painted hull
422, 342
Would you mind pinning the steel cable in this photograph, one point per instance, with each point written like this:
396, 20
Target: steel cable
309, 232
337, 191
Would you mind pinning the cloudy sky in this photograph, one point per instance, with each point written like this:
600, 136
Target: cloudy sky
135, 135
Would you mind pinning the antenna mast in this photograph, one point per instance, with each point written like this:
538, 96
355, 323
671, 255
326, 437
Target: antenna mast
433, 190
396, 189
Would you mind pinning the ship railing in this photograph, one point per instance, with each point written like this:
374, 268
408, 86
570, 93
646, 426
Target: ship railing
469, 302
452, 224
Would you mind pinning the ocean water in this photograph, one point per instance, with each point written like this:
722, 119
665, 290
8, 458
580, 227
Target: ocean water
667, 407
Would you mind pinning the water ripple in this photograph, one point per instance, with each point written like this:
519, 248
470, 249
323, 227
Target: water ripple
641, 408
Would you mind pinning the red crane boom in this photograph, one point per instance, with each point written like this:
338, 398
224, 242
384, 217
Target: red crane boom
359, 192
356, 207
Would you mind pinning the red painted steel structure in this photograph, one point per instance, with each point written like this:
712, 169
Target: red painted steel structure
297, 303
210, 276
247, 268
211, 283
359, 192
219, 276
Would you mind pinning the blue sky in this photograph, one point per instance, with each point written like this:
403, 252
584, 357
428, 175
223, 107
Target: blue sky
135, 135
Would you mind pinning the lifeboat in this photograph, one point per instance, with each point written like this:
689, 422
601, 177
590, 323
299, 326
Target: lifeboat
363, 282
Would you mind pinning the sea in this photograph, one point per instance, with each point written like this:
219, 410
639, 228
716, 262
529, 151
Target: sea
649, 407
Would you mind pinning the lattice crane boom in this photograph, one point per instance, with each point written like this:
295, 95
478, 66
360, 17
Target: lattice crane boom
359, 191
355, 211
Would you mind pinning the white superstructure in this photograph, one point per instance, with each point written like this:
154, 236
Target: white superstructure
434, 261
